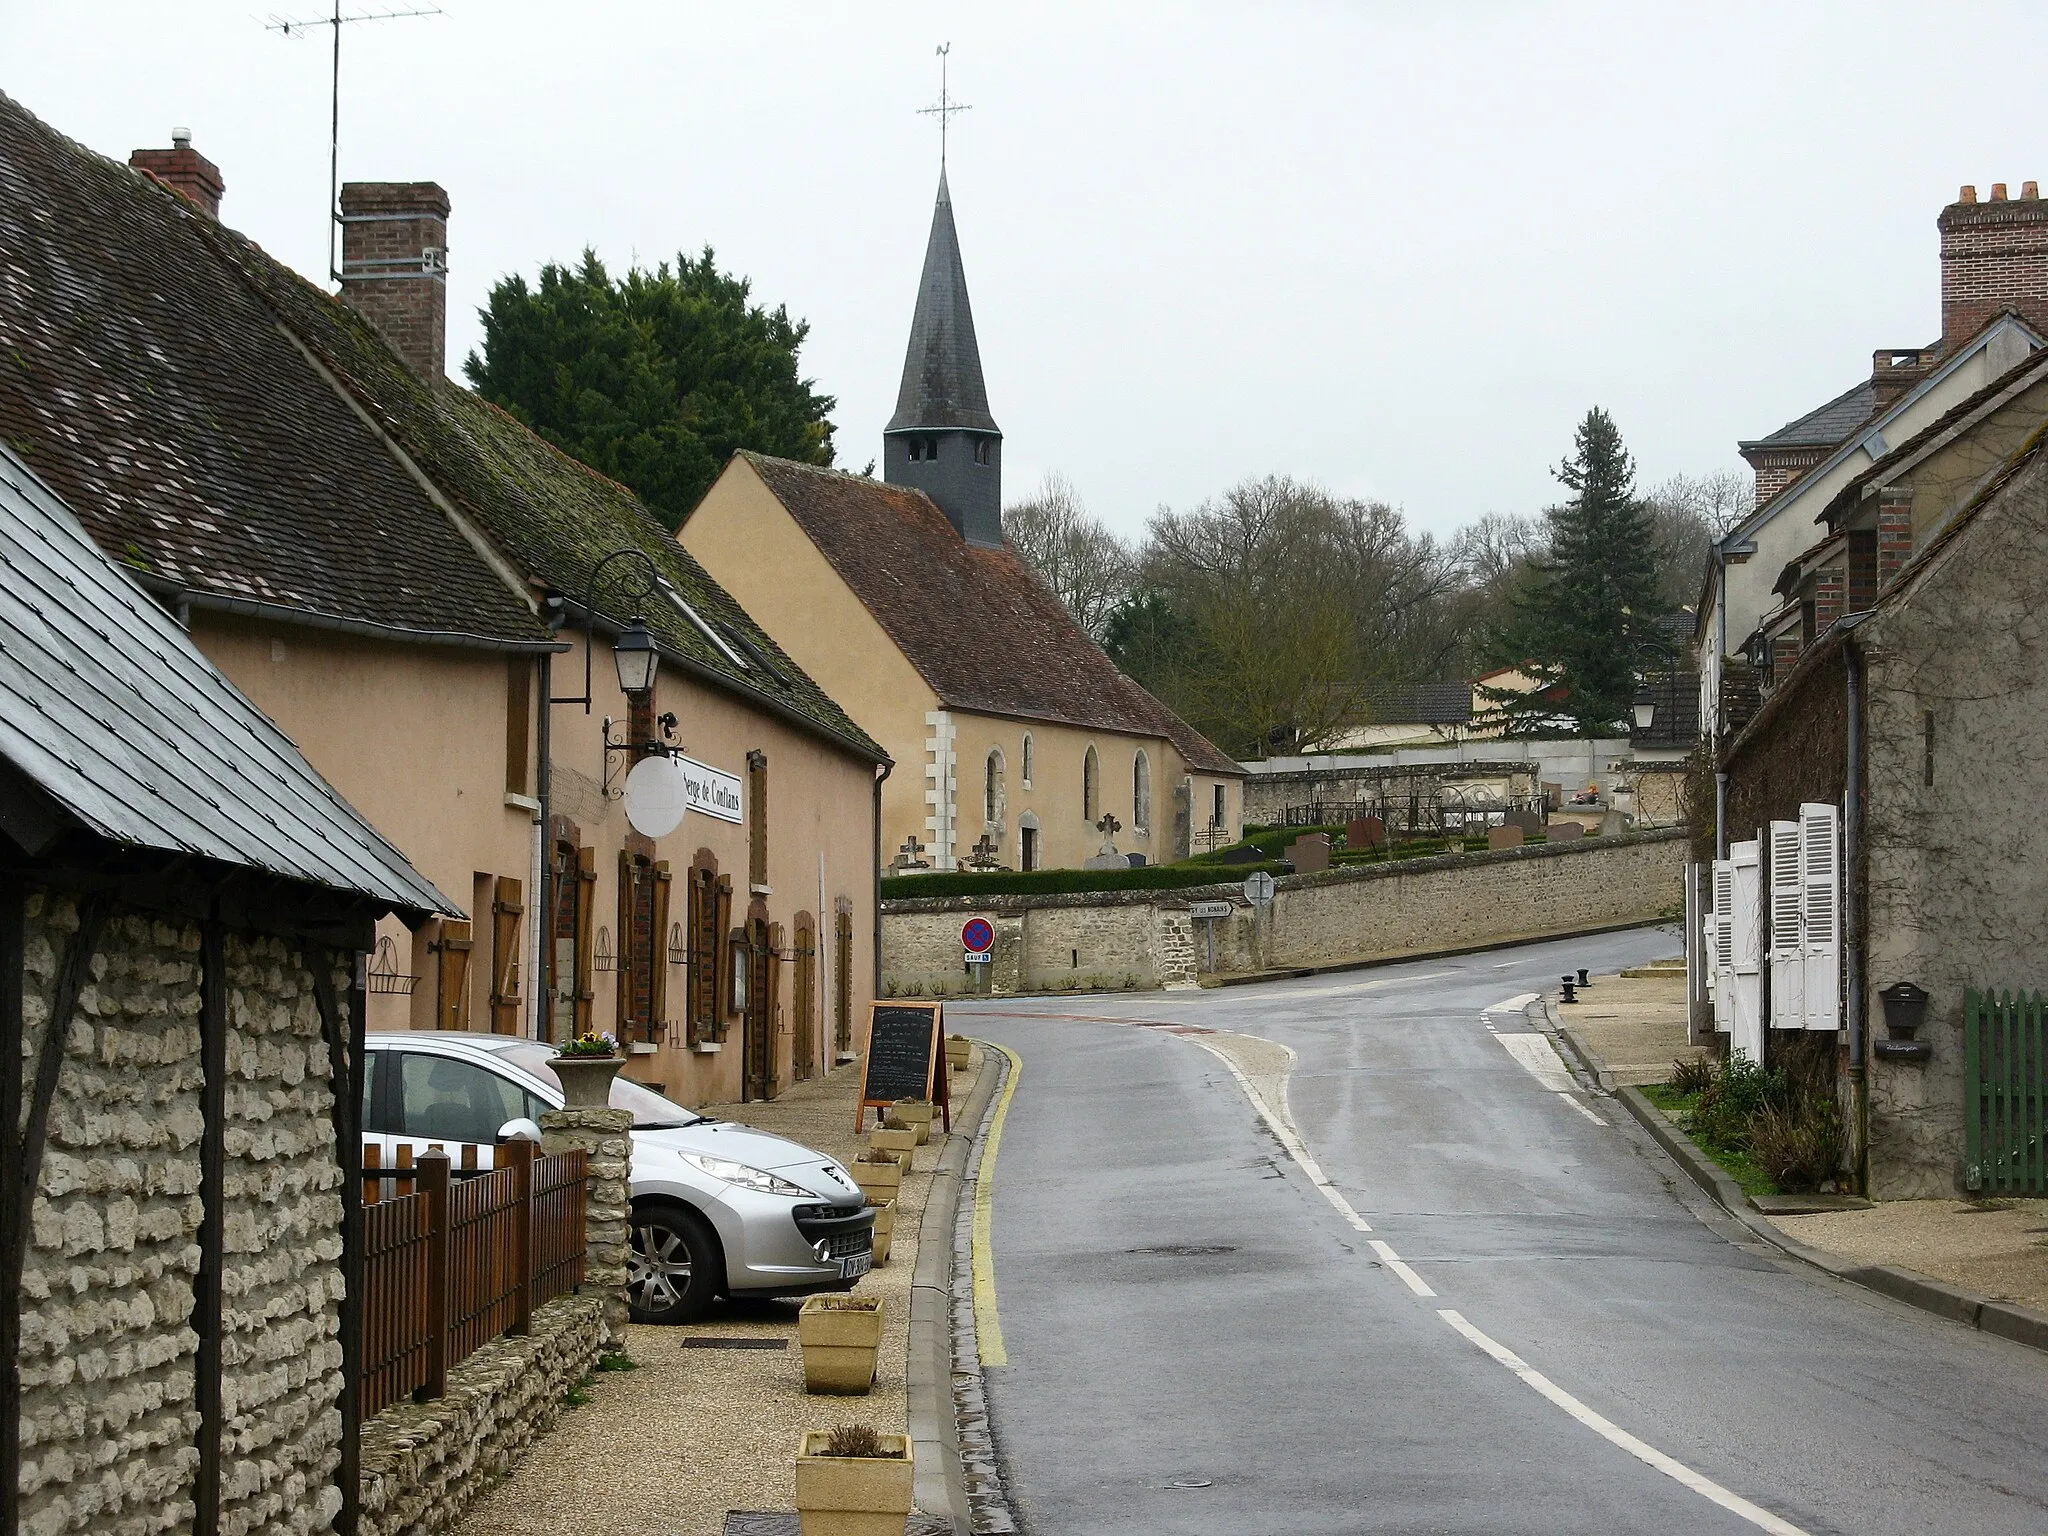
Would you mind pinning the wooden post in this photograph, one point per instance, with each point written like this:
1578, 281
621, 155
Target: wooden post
433, 1167
518, 1156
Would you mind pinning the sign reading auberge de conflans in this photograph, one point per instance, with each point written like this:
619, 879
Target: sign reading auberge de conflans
711, 792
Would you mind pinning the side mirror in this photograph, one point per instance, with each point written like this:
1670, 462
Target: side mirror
521, 1129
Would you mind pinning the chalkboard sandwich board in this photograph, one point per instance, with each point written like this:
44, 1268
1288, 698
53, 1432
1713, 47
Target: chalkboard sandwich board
900, 1058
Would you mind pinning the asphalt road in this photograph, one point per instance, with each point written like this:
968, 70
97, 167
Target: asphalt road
1182, 1305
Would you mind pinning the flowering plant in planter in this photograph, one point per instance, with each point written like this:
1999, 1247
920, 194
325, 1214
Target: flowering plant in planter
591, 1045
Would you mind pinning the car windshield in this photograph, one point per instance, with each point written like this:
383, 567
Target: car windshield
650, 1111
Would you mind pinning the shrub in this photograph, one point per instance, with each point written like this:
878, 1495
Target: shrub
1799, 1146
861, 1440
1692, 1075
1737, 1094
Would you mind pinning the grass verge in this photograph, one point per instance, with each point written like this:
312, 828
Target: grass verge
1734, 1162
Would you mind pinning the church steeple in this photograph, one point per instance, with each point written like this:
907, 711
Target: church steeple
942, 438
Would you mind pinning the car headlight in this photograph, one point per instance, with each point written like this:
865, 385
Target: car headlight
757, 1179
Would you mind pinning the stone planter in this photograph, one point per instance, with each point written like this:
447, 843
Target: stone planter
916, 1115
841, 1336
885, 1230
899, 1142
586, 1080
878, 1181
853, 1495
957, 1047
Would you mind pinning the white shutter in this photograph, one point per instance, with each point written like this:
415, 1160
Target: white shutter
1821, 913
1788, 949
1721, 935
1745, 1018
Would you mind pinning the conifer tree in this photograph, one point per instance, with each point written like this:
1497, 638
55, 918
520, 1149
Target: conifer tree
1583, 626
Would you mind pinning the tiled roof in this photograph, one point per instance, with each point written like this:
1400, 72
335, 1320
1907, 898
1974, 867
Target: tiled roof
145, 383
110, 711
1419, 704
185, 390
1827, 425
978, 624
942, 384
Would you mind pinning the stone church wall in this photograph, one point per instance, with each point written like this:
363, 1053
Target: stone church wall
1137, 940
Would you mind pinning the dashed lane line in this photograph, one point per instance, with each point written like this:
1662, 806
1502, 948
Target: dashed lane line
1515, 1004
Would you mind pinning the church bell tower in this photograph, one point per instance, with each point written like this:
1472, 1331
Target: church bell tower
942, 439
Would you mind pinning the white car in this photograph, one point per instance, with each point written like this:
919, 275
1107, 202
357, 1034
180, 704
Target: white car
718, 1208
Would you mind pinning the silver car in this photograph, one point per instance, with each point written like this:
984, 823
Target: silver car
718, 1208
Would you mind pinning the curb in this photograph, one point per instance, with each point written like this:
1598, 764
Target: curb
939, 1481
2006, 1320
1483, 946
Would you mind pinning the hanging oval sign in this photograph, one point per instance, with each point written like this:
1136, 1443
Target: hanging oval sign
656, 796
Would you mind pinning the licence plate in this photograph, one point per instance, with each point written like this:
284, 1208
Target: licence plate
855, 1265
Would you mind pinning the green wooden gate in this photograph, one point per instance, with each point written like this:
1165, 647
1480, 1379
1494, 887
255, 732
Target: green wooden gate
2005, 1071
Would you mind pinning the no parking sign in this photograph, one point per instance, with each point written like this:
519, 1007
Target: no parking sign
977, 937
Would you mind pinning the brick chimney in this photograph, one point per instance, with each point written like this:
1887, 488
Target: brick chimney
394, 266
1994, 256
185, 171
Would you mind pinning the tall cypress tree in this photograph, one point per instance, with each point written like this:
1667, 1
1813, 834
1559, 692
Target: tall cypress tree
1583, 625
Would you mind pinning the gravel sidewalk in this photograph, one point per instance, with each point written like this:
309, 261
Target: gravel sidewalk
1634, 1025
667, 1449
1996, 1248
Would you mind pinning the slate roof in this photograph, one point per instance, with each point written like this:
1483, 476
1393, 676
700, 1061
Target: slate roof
1827, 425
149, 387
942, 384
1419, 704
978, 624
185, 392
110, 711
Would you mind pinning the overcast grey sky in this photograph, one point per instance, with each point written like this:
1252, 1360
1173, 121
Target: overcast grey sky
1398, 249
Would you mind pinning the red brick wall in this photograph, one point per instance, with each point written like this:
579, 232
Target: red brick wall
1894, 534
1994, 255
386, 228
1784, 652
1830, 593
1777, 469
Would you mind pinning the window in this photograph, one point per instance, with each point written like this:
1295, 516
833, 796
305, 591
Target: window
1141, 792
931, 448
448, 1100
923, 448
1216, 816
1091, 812
1027, 760
982, 447
992, 788
1027, 842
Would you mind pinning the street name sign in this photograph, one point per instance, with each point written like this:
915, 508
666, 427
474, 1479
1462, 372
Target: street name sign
1199, 910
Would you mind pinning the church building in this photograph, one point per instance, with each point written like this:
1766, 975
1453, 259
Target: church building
1015, 738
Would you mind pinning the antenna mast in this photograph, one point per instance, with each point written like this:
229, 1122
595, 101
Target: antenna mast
946, 107
337, 21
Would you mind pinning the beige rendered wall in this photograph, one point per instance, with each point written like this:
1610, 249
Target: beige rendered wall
820, 802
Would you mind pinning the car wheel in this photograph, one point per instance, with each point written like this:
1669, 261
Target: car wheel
673, 1268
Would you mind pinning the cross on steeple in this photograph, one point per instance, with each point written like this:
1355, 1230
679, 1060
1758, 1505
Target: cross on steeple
946, 106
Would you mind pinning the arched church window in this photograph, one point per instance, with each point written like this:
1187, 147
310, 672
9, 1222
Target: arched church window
981, 450
1141, 791
992, 788
1027, 759
1091, 809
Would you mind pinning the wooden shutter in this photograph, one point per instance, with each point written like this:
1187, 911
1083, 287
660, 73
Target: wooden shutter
842, 959
1746, 1025
757, 818
586, 911
451, 1002
1721, 935
721, 919
1821, 913
701, 979
1787, 951
657, 1013
804, 1005
506, 910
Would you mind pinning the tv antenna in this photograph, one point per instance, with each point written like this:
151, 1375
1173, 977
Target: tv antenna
293, 28
946, 107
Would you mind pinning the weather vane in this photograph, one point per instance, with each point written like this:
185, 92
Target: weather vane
297, 28
946, 107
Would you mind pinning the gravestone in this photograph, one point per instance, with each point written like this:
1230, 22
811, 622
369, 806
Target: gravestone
1248, 854
1566, 831
1509, 836
1137, 860
1310, 852
1367, 832
1531, 822
1106, 857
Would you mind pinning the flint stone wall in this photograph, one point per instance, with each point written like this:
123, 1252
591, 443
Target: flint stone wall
1130, 940
109, 1424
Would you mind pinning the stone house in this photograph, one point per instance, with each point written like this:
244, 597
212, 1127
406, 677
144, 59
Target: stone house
1904, 708
185, 905
1994, 312
396, 573
1013, 733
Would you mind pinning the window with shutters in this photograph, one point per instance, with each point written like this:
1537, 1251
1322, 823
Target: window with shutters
700, 929
1821, 913
1787, 942
1746, 1024
642, 956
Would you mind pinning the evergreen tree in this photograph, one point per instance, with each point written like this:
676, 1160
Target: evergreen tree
656, 378
1583, 625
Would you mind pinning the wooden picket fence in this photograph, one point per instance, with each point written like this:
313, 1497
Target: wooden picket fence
2005, 1092
451, 1264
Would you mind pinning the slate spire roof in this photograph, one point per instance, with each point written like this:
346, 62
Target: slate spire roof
942, 384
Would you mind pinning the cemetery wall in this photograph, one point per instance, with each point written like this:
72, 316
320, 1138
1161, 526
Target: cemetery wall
1135, 940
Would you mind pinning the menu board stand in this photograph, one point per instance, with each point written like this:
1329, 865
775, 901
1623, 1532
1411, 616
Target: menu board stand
903, 1057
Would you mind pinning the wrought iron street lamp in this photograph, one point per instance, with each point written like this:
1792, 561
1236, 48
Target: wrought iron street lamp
634, 653
637, 658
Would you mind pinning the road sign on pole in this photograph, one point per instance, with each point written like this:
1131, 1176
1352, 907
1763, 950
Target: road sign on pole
977, 936
1201, 910
1258, 888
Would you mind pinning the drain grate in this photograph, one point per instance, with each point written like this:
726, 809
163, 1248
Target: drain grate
1186, 1250
703, 1341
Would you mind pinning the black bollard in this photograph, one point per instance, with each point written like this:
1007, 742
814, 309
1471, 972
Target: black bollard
1582, 977
1570, 994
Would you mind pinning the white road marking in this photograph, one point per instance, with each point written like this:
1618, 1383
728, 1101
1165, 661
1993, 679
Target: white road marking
1280, 1126
1514, 1004
1699, 1483
1539, 1058
1393, 1261
1366, 986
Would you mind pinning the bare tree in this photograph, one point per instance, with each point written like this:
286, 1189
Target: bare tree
1689, 512
1073, 552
